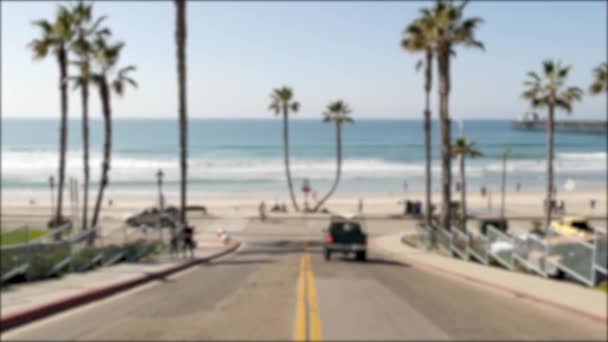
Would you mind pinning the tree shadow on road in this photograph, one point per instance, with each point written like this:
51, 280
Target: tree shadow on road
280, 247
240, 262
375, 261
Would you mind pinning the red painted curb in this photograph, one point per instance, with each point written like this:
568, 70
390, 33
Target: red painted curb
569, 309
44, 310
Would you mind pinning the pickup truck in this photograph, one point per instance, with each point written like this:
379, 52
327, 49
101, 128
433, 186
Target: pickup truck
345, 236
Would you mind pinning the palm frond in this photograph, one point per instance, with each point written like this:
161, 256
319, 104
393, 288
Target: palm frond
95, 26
540, 102
600, 80
131, 81
295, 106
40, 48
548, 68
46, 26
563, 104
123, 71
533, 75
118, 87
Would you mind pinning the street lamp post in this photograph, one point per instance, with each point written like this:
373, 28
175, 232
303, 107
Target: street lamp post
504, 181
159, 176
52, 185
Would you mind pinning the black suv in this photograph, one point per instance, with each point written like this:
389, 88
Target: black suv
345, 236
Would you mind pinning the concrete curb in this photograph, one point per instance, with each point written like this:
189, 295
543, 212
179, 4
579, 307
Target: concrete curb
591, 316
27, 316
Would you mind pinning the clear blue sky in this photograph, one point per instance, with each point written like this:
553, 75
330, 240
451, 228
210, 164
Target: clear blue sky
238, 51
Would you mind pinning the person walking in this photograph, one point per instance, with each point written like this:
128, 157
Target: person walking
262, 210
188, 236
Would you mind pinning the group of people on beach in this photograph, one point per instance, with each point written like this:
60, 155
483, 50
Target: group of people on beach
276, 208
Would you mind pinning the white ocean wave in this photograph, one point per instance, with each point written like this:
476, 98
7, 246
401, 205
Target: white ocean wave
36, 167
602, 156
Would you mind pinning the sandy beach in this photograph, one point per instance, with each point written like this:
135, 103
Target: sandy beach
522, 207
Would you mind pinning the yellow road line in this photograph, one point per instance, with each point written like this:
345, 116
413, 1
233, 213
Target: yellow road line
313, 306
300, 328
308, 321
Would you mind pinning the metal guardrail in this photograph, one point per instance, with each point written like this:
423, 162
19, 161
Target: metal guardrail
15, 272
531, 253
423, 235
460, 243
479, 247
444, 240
21, 259
579, 259
47, 256
500, 247
601, 252
115, 258
552, 255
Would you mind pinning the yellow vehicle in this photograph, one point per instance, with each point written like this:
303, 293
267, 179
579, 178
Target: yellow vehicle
574, 226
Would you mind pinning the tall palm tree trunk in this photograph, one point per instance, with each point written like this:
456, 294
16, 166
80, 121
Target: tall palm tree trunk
550, 127
338, 167
180, 35
85, 144
107, 146
446, 173
63, 135
286, 158
463, 194
427, 134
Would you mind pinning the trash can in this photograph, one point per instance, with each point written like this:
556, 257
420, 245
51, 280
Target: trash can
408, 207
418, 208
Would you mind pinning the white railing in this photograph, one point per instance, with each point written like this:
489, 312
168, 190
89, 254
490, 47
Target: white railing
479, 247
548, 256
531, 252
444, 240
601, 252
500, 247
423, 235
54, 253
460, 243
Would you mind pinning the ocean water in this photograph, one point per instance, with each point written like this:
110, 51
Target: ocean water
227, 156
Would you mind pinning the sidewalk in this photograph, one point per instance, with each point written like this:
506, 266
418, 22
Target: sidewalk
26, 302
562, 295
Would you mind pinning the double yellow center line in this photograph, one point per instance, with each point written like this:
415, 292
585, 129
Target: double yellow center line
308, 322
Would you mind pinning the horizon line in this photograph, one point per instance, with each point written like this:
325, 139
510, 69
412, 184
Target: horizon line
293, 118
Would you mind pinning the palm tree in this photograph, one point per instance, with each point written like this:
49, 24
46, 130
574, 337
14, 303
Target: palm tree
418, 37
337, 112
549, 91
180, 38
55, 38
85, 29
461, 149
282, 103
600, 80
106, 58
449, 30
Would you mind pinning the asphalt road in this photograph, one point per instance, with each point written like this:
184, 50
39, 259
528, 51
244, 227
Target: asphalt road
260, 293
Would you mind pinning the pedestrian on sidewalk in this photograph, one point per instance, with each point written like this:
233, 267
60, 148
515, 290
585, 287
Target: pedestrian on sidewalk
188, 240
174, 242
262, 210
